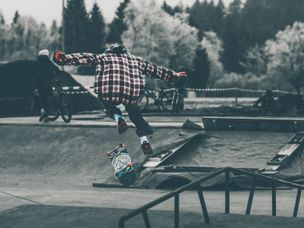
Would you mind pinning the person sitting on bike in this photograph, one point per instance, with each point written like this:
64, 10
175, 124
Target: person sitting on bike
120, 80
266, 102
44, 74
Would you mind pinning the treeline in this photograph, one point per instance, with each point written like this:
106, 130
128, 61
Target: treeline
24, 36
220, 46
244, 25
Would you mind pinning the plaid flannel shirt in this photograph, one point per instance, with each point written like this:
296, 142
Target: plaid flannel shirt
119, 78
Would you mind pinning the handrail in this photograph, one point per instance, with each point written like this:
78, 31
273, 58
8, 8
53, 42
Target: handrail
195, 184
169, 195
283, 182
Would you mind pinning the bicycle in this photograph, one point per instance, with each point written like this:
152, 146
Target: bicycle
174, 100
144, 101
58, 104
166, 99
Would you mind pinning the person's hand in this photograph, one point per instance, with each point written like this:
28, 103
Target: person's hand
181, 74
58, 57
180, 79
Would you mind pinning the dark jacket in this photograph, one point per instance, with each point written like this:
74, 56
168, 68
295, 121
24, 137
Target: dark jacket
45, 71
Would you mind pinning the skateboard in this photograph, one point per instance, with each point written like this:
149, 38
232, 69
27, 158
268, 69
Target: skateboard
122, 164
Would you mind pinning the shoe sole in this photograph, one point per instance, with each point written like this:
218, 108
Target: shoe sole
148, 152
122, 130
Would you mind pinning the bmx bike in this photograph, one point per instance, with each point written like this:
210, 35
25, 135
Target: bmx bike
59, 104
171, 99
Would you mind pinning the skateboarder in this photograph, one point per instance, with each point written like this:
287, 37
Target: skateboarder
45, 72
120, 80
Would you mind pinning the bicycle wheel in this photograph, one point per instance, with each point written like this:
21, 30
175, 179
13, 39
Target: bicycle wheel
66, 116
65, 111
143, 102
166, 100
53, 117
53, 113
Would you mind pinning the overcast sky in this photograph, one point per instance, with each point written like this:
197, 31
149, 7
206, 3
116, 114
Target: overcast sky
48, 10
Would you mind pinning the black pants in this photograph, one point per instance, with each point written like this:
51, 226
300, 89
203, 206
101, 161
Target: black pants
45, 93
135, 115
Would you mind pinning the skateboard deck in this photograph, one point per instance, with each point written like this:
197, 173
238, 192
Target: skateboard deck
122, 164
127, 172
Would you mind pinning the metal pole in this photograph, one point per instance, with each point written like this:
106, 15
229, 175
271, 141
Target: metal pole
227, 192
250, 199
146, 219
296, 208
236, 96
274, 200
62, 26
176, 211
121, 224
203, 205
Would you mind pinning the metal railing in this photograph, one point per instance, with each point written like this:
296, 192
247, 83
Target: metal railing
207, 92
274, 182
238, 92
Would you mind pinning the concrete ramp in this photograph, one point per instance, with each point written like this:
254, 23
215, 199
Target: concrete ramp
295, 170
74, 155
56, 155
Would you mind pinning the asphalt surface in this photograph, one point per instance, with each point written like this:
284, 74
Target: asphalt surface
47, 171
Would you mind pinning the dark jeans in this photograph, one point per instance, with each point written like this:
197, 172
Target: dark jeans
44, 94
135, 115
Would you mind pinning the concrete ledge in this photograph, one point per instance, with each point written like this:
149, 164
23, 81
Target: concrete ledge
233, 123
98, 122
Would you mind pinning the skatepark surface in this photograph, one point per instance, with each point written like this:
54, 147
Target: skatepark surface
78, 217
68, 154
47, 171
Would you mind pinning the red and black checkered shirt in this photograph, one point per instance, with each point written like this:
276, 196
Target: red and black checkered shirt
119, 77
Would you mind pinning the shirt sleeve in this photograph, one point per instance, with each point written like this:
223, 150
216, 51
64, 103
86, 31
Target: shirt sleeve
155, 71
77, 59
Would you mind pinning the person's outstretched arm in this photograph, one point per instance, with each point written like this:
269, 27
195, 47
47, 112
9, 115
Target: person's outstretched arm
76, 59
163, 73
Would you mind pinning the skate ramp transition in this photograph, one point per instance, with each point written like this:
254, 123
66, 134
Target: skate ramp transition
50, 155
249, 150
205, 153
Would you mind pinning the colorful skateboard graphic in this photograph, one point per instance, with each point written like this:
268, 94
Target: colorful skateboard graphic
122, 164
